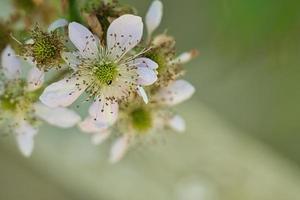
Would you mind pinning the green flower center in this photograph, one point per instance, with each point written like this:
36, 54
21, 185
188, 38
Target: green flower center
15, 98
8, 104
105, 73
13, 93
16, 101
141, 119
46, 49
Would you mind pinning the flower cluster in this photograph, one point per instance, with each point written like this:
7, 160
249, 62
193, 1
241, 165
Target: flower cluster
131, 82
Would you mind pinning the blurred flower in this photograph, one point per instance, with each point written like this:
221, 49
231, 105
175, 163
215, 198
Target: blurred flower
137, 120
108, 74
19, 106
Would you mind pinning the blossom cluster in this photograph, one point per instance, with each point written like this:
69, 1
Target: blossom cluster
131, 82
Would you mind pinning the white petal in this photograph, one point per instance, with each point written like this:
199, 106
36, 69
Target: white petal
35, 78
185, 57
123, 34
146, 76
175, 93
89, 125
143, 94
100, 137
61, 117
83, 39
62, 93
71, 58
119, 149
57, 24
10, 63
105, 113
154, 16
145, 62
177, 123
24, 136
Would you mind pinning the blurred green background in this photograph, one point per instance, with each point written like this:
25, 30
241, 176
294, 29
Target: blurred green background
243, 133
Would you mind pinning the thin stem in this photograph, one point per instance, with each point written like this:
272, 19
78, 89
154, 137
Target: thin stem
73, 11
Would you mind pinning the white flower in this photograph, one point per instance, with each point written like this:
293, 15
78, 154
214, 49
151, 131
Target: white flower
108, 74
154, 16
19, 106
141, 119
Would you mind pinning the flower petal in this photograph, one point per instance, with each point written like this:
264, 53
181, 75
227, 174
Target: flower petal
177, 123
146, 76
62, 93
57, 24
89, 125
35, 79
143, 94
175, 93
154, 16
185, 57
83, 39
100, 137
119, 149
123, 34
24, 136
105, 113
10, 63
71, 58
61, 117
145, 62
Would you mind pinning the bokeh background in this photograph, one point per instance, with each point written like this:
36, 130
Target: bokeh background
243, 137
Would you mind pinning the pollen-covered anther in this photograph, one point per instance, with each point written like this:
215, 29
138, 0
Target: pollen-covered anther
45, 50
105, 73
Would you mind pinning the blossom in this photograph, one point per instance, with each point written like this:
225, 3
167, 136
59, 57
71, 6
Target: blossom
138, 120
108, 74
21, 112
